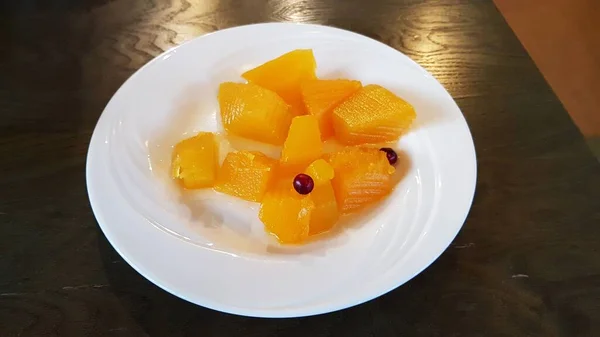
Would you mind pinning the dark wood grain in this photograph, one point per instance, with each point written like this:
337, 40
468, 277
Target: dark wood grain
527, 262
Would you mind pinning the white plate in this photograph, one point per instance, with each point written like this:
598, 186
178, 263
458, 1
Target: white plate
211, 249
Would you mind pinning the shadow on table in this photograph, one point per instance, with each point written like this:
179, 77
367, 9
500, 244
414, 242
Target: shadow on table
413, 308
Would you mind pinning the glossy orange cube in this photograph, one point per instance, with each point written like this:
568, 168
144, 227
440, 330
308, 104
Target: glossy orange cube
284, 75
292, 217
285, 213
325, 214
320, 171
303, 143
363, 176
245, 175
372, 115
321, 96
194, 161
253, 112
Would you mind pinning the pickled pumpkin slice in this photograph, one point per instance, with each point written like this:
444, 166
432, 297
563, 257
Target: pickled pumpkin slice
285, 213
325, 213
321, 96
245, 175
372, 115
195, 161
284, 75
320, 171
303, 143
253, 112
362, 176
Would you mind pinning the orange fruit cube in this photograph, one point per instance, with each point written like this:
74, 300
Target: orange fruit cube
303, 143
325, 213
285, 213
362, 177
284, 74
321, 96
245, 175
194, 161
372, 115
320, 171
253, 112
292, 217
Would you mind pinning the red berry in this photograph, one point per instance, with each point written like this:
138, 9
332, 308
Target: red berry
391, 155
303, 183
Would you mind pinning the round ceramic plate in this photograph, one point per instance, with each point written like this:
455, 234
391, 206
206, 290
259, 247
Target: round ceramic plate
211, 249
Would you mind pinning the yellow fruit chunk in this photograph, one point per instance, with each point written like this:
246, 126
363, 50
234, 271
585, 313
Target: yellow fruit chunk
303, 143
372, 115
321, 96
325, 213
362, 177
251, 111
284, 76
292, 217
245, 175
285, 213
194, 161
320, 171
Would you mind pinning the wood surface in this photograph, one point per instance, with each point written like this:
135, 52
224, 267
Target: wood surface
526, 263
563, 39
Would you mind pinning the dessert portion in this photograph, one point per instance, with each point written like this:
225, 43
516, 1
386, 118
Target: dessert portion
245, 175
372, 115
303, 143
321, 96
195, 161
284, 75
362, 176
307, 189
253, 112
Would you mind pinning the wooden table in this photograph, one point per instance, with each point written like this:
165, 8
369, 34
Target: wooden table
527, 262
